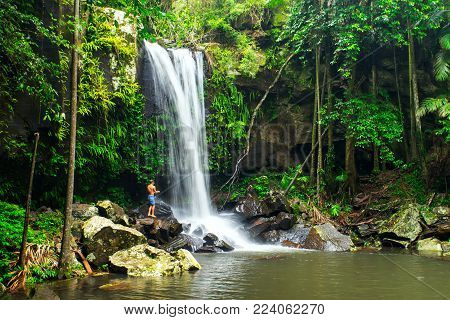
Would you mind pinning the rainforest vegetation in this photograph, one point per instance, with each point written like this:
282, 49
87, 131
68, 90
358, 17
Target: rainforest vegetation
308, 97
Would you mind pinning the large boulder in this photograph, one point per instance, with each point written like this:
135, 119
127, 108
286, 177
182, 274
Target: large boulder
250, 206
102, 238
113, 212
275, 202
284, 221
80, 213
83, 212
404, 224
325, 237
184, 241
162, 230
210, 239
259, 225
297, 234
169, 228
429, 244
212, 243
162, 210
146, 261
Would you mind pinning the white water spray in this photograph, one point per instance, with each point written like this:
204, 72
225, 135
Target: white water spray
177, 77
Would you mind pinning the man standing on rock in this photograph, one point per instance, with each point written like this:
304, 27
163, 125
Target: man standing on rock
151, 198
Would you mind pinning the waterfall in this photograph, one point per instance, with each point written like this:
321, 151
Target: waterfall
177, 80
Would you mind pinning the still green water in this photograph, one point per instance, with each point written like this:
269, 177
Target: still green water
280, 275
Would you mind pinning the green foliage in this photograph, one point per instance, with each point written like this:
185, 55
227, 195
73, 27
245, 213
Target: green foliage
371, 121
410, 187
46, 226
217, 26
226, 125
301, 187
25, 71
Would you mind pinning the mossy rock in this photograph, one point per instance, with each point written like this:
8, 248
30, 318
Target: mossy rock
428, 215
404, 224
103, 238
146, 261
113, 212
429, 244
325, 237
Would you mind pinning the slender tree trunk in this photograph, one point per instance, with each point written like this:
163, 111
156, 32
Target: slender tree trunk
350, 141
376, 148
399, 102
62, 81
23, 247
319, 127
64, 258
313, 141
414, 99
350, 165
330, 137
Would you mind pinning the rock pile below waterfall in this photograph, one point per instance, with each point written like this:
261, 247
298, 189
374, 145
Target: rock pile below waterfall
102, 238
113, 212
160, 230
146, 261
325, 237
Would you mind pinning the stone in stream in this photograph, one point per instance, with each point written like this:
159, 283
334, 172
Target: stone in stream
250, 206
225, 246
146, 261
113, 212
429, 244
210, 239
325, 237
209, 249
184, 241
259, 225
297, 234
284, 221
102, 238
404, 224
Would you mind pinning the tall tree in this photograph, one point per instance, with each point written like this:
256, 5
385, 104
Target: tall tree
64, 259
23, 247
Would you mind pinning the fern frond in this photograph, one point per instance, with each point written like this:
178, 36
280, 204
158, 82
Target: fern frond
445, 41
442, 65
440, 105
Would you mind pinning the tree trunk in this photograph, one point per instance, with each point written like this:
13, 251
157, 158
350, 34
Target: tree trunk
414, 98
319, 128
350, 141
376, 149
65, 243
330, 137
350, 166
399, 102
23, 247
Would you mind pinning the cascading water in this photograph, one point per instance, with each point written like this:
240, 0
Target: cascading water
177, 79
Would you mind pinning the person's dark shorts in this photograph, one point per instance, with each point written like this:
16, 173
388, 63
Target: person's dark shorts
151, 200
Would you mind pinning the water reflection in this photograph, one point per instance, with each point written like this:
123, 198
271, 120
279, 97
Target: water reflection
280, 275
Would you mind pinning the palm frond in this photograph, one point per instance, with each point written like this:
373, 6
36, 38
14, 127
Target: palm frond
445, 41
442, 65
36, 255
440, 105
